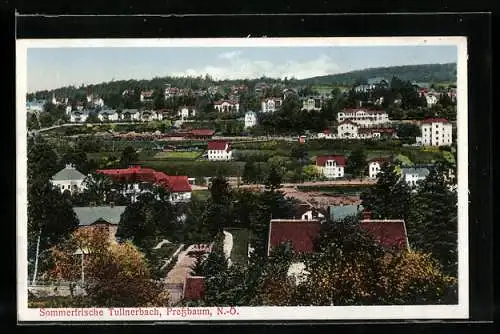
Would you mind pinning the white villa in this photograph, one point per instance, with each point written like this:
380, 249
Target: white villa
270, 105
227, 106
347, 129
414, 175
95, 100
69, 179
109, 115
311, 104
219, 150
363, 117
186, 112
78, 116
435, 132
331, 166
250, 119
147, 96
374, 167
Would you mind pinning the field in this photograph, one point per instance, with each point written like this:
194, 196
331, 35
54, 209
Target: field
188, 155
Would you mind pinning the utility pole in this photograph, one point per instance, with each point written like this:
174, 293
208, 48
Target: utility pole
36, 258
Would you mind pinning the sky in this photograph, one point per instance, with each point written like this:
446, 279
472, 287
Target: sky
50, 68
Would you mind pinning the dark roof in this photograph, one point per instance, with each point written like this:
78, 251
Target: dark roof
89, 215
68, 173
301, 234
390, 233
348, 122
322, 159
194, 288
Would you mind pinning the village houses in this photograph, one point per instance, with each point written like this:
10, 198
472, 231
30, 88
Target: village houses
186, 112
311, 103
413, 175
374, 167
219, 150
364, 117
331, 166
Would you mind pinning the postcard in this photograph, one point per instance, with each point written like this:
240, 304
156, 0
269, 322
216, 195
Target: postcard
252, 179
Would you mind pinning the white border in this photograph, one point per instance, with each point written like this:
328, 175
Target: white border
460, 311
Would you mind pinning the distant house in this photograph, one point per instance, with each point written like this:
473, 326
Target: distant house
78, 116
390, 233
171, 92
270, 105
412, 176
301, 234
436, 132
227, 106
186, 112
109, 115
308, 212
372, 84
219, 150
331, 166
340, 212
363, 117
376, 133
137, 180
289, 92
69, 179
147, 96
131, 115
107, 217
374, 166
250, 119
311, 103
95, 101
326, 134
35, 106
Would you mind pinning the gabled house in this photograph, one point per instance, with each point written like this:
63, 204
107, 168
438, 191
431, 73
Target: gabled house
331, 166
107, 217
219, 150
347, 130
78, 116
308, 212
69, 179
130, 115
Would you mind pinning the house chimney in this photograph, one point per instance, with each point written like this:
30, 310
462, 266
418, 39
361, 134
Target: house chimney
367, 214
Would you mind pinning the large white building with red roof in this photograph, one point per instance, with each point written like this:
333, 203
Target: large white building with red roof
137, 180
436, 132
219, 150
331, 166
363, 117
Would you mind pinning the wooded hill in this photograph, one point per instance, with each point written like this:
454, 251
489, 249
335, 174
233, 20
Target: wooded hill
431, 73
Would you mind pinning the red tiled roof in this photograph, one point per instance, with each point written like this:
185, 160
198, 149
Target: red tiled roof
390, 233
301, 234
219, 145
327, 131
202, 132
435, 120
136, 173
194, 288
178, 184
322, 159
372, 111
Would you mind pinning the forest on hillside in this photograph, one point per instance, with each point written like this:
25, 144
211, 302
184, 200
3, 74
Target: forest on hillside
431, 73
